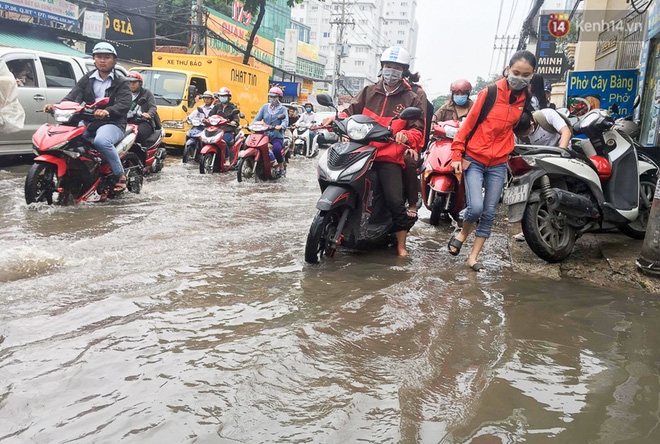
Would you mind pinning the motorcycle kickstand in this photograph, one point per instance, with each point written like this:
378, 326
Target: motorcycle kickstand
340, 228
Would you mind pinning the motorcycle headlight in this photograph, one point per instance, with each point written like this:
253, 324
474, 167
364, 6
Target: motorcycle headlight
63, 115
358, 131
174, 124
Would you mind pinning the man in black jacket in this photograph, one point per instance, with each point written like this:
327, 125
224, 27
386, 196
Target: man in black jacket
226, 109
144, 115
109, 127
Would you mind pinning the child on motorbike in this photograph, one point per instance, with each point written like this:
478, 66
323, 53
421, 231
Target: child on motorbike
269, 114
481, 152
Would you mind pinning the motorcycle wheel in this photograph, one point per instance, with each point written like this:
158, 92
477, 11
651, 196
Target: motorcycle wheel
436, 210
206, 165
324, 228
133, 171
41, 183
159, 162
547, 233
637, 229
245, 169
189, 154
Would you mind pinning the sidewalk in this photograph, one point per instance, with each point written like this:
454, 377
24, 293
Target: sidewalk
603, 259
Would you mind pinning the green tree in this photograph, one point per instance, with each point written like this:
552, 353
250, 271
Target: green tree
439, 101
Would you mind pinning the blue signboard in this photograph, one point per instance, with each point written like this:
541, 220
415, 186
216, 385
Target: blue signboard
290, 89
61, 12
613, 90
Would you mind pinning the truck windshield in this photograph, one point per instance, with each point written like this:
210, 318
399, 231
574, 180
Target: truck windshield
168, 87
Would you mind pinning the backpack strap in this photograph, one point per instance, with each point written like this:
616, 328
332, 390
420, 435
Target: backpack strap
489, 102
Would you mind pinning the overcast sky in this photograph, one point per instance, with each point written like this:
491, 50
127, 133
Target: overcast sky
456, 38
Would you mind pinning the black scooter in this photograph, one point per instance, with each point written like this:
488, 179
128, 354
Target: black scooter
352, 211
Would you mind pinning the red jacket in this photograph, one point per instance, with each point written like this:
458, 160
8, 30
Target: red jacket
373, 102
493, 140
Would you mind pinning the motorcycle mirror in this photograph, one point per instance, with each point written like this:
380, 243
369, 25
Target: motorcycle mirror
200, 109
281, 117
242, 116
142, 101
615, 108
325, 100
184, 108
637, 101
235, 112
411, 113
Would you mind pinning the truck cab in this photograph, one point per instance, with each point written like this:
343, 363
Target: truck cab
174, 89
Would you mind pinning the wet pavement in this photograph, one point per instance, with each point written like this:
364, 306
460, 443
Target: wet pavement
187, 314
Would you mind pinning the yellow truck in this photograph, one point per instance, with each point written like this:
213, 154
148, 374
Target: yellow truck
176, 79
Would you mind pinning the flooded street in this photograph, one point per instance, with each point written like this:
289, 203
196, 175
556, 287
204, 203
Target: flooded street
187, 314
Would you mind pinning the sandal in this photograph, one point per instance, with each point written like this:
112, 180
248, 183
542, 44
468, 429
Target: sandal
453, 242
477, 267
120, 186
411, 214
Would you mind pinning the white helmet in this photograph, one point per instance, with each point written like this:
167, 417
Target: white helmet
396, 54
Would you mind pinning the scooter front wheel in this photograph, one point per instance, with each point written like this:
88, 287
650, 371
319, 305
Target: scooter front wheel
245, 169
323, 229
547, 233
41, 183
206, 165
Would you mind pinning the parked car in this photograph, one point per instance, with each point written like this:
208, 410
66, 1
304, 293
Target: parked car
43, 77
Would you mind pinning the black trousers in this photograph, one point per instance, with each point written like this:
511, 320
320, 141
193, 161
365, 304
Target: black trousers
390, 178
145, 130
410, 180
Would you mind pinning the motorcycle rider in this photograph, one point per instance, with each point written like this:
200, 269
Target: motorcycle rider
458, 105
309, 117
382, 102
206, 109
148, 111
225, 108
269, 114
109, 127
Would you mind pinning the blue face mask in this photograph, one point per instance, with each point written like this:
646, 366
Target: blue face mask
460, 100
224, 99
309, 110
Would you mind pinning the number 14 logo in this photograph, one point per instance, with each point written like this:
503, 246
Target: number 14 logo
558, 25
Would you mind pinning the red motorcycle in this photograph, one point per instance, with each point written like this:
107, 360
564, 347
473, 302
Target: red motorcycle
213, 152
257, 160
153, 153
442, 190
68, 168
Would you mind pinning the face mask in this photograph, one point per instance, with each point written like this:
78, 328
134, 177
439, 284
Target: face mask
273, 100
518, 83
391, 76
309, 110
224, 99
460, 100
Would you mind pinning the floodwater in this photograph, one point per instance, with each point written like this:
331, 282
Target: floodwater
187, 314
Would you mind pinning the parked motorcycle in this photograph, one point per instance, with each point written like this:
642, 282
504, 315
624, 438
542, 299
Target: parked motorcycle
443, 192
67, 167
212, 155
193, 145
560, 194
352, 211
256, 161
303, 144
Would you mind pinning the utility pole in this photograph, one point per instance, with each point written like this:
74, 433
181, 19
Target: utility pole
341, 23
201, 29
503, 46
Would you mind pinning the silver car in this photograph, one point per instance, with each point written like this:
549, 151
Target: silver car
42, 77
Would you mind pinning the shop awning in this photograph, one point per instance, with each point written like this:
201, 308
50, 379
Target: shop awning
22, 41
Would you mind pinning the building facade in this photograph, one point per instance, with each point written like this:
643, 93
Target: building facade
370, 27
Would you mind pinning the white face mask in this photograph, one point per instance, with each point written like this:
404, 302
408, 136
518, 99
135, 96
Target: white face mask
392, 76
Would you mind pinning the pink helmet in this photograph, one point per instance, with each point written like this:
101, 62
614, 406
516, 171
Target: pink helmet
275, 91
460, 86
224, 91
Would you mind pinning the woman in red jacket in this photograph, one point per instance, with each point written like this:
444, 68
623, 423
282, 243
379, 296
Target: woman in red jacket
483, 157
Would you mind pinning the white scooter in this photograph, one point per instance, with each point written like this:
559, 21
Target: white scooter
560, 194
303, 145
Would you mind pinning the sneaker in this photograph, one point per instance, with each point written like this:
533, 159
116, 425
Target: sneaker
282, 173
519, 237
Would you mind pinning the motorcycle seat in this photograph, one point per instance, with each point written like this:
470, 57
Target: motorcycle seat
153, 138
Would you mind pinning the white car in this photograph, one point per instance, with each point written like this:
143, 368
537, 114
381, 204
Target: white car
44, 77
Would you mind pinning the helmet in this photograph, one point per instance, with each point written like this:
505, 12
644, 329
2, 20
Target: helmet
308, 103
275, 91
460, 86
134, 76
396, 54
104, 48
224, 91
208, 94
547, 87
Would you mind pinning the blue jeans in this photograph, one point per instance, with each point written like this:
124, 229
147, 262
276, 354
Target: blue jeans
105, 138
482, 207
229, 139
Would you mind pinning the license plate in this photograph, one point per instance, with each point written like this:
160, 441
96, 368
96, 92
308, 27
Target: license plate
517, 194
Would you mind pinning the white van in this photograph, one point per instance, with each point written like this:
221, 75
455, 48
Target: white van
44, 77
